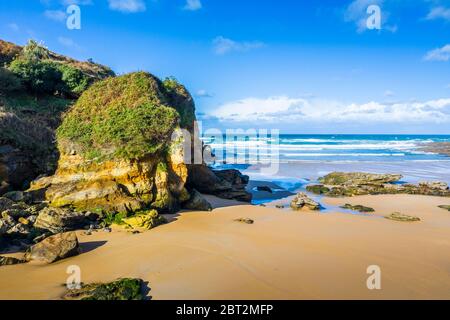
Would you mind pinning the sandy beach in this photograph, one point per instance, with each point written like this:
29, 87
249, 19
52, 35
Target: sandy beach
283, 255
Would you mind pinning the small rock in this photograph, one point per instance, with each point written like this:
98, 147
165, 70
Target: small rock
279, 206
396, 216
8, 219
262, 205
107, 229
24, 221
245, 220
302, 200
146, 220
445, 207
16, 213
88, 233
7, 261
358, 208
54, 248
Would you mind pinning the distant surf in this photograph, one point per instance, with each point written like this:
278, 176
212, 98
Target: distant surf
306, 157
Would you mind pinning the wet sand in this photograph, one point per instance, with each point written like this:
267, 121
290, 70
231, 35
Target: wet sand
283, 255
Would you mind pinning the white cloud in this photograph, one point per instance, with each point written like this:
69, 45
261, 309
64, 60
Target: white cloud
56, 15
356, 12
293, 110
439, 54
127, 6
193, 5
439, 13
223, 45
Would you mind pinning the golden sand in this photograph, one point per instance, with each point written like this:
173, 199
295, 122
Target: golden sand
283, 255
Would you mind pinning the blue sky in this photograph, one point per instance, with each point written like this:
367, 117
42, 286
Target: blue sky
299, 66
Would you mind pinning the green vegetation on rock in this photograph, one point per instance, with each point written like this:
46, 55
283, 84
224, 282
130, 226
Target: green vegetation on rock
122, 289
127, 117
445, 207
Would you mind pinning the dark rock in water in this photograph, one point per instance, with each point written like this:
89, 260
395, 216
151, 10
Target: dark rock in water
302, 200
264, 189
122, 289
396, 216
58, 220
279, 206
54, 248
339, 184
245, 220
359, 208
226, 184
7, 261
445, 207
197, 202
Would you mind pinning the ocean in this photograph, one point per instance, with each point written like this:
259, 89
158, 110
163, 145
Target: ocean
303, 158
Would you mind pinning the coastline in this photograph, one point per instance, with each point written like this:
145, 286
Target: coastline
283, 255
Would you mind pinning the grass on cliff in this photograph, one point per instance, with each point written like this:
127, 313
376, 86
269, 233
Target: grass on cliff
126, 117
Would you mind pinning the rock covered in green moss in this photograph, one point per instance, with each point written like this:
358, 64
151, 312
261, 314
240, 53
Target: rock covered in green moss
116, 149
126, 117
342, 184
121, 289
445, 207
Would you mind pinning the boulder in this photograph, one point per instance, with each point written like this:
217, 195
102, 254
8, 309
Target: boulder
58, 220
197, 202
226, 184
302, 200
317, 189
144, 221
54, 248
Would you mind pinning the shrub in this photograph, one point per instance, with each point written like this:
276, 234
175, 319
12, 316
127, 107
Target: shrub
38, 76
9, 81
35, 51
181, 100
124, 117
75, 82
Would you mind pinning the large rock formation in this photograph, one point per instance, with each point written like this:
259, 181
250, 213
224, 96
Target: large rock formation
28, 118
116, 151
338, 184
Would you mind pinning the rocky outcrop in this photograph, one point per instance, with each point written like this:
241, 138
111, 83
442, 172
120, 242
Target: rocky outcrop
437, 147
227, 184
54, 248
302, 200
129, 170
339, 184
